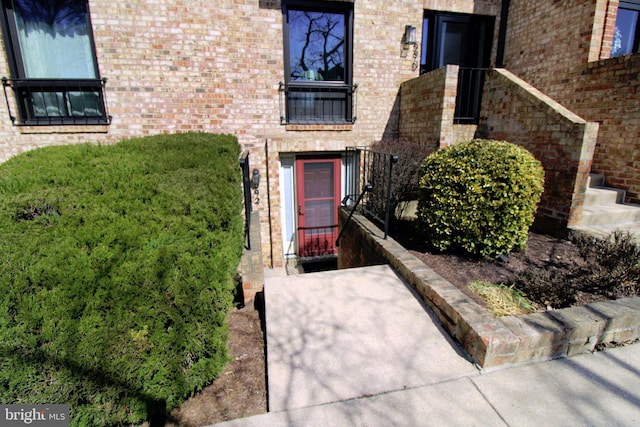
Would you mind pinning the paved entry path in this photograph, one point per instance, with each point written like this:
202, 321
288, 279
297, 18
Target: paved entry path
356, 348
345, 334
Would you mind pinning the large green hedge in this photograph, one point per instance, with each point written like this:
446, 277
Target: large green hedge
479, 196
118, 269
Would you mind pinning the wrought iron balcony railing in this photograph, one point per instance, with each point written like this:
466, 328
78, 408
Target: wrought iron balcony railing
317, 103
57, 101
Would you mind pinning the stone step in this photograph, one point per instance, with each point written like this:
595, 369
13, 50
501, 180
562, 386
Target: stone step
603, 196
610, 214
595, 180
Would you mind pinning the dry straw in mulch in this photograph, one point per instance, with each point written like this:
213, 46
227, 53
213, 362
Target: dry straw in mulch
502, 300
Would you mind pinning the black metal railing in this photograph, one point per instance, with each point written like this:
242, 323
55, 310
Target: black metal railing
371, 168
367, 188
305, 103
246, 186
58, 101
469, 95
317, 241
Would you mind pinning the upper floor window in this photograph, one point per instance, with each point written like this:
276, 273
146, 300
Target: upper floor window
449, 38
464, 40
318, 85
53, 63
626, 37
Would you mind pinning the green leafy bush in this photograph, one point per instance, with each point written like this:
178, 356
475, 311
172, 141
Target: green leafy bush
479, 196
118, 270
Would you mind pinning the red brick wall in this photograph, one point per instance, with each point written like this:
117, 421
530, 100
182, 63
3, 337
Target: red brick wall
422, 108
514, 111
613, 88
427, 110
568, 63
548, 39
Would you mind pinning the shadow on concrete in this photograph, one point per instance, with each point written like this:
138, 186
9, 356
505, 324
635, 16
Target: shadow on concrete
350, 334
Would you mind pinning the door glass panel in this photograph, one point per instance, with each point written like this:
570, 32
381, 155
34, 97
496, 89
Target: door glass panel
319, 214
288, 203
453, 38
459, 39
318, 180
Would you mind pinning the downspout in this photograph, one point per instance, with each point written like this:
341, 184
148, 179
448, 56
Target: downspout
502, 33
266, 162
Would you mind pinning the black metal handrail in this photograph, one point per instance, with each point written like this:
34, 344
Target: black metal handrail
317, 103
58, 101
316, 241
367, 189
246, 186
376, 169
469, 95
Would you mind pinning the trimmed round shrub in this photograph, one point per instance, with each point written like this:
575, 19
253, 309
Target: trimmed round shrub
479, 196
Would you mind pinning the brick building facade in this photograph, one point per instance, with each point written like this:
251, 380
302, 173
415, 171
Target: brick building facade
177, 66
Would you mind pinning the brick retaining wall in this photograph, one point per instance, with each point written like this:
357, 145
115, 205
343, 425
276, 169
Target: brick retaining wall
515, 111
570, 63
490, 341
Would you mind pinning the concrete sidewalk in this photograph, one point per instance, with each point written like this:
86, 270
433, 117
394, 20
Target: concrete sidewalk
357, 348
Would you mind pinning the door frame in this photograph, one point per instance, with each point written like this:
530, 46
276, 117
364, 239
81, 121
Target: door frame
320, 239
289, 197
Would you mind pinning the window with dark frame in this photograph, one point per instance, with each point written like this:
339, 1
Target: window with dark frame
318, 86
626, 36
52, 58
464, 40
450, 38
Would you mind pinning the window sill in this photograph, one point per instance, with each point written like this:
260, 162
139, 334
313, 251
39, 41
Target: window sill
53, 129
306, 128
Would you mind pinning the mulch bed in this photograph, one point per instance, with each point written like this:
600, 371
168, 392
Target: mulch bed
241, 389
543, 251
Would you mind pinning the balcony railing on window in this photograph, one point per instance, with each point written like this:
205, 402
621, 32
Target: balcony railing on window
303, 103
54, 102
469, 96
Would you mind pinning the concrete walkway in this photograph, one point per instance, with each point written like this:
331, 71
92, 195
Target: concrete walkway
356, 348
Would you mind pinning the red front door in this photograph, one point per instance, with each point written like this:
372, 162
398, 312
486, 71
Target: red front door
318, 196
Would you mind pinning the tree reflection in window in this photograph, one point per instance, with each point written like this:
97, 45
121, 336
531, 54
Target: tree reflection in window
316, 41
61, 13
626, 38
